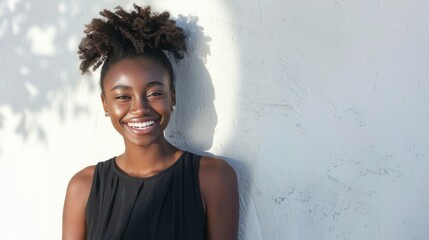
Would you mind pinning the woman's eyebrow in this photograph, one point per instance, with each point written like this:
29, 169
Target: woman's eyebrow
123, 87
126, 87
154, 83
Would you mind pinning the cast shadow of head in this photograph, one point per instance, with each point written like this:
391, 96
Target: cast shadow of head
194, 121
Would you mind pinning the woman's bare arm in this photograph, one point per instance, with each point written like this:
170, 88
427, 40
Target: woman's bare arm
218, 183
74, 223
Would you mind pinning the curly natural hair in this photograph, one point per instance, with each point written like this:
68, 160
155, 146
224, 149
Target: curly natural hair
122, 34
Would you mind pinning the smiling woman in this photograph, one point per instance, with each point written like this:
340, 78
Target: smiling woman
153, 190
139, 101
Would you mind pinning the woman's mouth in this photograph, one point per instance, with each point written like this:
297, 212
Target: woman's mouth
141, 128
140, 125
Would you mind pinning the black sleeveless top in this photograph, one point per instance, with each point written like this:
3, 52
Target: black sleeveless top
166, 206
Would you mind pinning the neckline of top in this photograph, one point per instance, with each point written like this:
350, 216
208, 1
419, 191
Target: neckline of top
123, 174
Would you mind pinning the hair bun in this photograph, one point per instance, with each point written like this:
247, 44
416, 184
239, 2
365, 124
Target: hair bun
134, 32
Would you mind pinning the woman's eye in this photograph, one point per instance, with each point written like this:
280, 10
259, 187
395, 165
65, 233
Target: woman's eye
122, 97
155, 94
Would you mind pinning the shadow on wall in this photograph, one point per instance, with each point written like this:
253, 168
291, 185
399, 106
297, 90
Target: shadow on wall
194, 121
38, 62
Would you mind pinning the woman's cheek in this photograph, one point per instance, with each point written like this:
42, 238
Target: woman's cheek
120, 109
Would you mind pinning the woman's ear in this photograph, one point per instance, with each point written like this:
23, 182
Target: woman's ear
173, 96
104, 102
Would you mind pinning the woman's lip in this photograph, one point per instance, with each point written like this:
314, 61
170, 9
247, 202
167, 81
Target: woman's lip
138, 120
142, 131
144, 124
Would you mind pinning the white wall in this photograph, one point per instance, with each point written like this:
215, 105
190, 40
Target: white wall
321, 106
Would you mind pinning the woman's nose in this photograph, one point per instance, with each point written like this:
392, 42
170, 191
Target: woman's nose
140, 107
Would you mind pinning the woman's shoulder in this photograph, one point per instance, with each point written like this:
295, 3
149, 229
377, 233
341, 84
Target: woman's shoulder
216, 175
77, 194
83, 178
215, 167
218, 184
81, 182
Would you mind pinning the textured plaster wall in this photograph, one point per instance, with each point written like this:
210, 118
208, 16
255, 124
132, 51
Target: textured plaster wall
322, 107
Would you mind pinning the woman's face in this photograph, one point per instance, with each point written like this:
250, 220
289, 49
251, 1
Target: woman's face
138, 97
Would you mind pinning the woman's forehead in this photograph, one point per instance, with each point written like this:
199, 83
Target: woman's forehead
136, 69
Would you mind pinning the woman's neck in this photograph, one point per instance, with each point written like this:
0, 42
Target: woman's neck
148, 160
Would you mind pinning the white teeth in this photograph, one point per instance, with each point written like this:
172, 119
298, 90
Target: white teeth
140, 124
